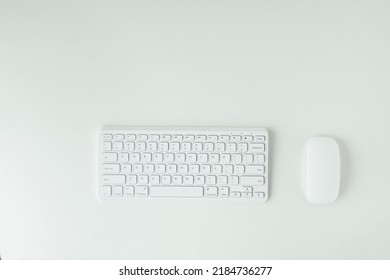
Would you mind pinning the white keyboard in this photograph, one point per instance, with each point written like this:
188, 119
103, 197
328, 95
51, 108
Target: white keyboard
183, 162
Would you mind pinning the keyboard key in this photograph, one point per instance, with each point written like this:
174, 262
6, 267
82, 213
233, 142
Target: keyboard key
160, 168
239, 169
213, 138
128, 191
140, 146
205, 168
113, 179
247, 138
233, 180
252, 180
237, 158
169, 157
203, 158
166, 137
130, 137
188, 180
126, 168
171, 168
123, 157
224, 138
256, 148
199, 180
183, 168
143, 179
107, 146
194, 168
117, 191
186, 147
118, 146
177, 179
211, 180
242, 147
154, 179
129, 146
135, 157
220, 147
177, 137
107, 137
235, 194
189, 137
200, 137
166, 179
258, 194
197, 147
141, 191
246, 194
225, 158
105, 191
158, 157
111, 168
248, 158
132, 179
146, 157
191, 158
236, 138
154, 137
231, 147
216, 168
208, 147
254, 169
163, 146
142, 137
214, 158
224, 191
228, 169
151, 146
222, 180
259, 138
259, 158
149, 168
211, 192
119, 137
138, 168
176, 191
174, 147
180, 157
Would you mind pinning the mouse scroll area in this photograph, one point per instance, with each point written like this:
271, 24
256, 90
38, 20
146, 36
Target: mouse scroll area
322, 170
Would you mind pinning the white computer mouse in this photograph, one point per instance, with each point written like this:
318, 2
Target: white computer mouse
322, 170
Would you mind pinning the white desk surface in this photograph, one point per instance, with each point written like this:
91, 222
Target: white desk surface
299, 68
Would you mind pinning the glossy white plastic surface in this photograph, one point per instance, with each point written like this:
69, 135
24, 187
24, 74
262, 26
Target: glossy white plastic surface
322, 176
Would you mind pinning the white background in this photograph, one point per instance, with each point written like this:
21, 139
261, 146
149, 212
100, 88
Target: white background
299, 68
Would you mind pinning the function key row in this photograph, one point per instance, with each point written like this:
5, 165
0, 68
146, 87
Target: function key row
181, 137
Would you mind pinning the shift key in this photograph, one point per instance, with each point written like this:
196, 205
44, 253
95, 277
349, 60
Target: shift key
113, 179
252, 180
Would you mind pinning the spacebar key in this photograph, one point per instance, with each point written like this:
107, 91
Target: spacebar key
173, 191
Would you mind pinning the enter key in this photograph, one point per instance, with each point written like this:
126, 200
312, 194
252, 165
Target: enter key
254, 169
